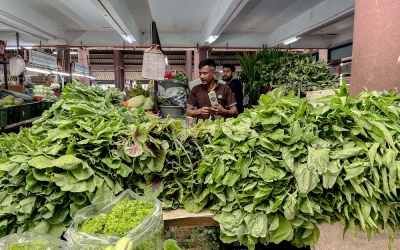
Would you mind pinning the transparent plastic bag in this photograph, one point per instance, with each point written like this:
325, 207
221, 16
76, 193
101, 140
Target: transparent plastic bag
32, 240
176, 95
147, 235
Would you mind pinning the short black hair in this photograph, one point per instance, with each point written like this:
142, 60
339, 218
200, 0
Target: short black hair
208, 62
231, 66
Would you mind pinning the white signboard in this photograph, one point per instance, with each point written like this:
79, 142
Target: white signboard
81, 69
153, 65
42, 59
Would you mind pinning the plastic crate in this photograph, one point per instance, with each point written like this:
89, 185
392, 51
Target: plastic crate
13, 114
43, 107
25, 113
35, 109
48, 105
3, 117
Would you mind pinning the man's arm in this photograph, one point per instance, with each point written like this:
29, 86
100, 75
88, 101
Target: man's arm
230, 112
198, 112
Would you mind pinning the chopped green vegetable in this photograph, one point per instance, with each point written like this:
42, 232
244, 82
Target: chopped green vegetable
122, 218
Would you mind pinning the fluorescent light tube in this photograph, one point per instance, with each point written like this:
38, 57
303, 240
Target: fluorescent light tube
166, 60
20, 47
55, 52
291, 40
211, 39
60, 73
37, 70
90, 77
79, 75
127, 38
74, 52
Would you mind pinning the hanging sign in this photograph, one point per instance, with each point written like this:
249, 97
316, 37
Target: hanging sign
81, 69
42, 59
25, 55
153, 64
3, 51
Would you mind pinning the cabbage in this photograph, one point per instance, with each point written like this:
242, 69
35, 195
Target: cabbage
136, 102
148, 103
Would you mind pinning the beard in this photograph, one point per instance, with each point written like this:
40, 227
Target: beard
227, 79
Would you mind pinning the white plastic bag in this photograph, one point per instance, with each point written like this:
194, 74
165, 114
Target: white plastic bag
147, 235
176, 95
23, 240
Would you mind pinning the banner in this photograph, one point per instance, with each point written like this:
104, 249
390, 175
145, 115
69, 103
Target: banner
153, 64
42, 59
81, 69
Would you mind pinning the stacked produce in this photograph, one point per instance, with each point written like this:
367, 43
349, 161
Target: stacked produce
9, 101
272, 68
46, 92
272, 174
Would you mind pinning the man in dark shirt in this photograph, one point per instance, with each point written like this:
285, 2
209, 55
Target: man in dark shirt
199, 97
234, 84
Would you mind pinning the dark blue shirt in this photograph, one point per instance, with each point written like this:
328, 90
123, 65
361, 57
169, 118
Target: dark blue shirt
237, 88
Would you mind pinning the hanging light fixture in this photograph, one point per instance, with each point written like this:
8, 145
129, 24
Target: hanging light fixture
37, 70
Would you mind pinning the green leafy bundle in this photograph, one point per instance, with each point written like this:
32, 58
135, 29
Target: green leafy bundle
297, 72
68, 160
279, 170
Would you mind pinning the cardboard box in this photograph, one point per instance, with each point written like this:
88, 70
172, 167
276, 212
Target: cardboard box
15, 88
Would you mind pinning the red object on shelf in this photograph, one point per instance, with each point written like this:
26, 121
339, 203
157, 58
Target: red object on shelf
168, 75
37, 98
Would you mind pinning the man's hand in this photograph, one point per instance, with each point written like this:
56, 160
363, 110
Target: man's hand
218, 110
204, 111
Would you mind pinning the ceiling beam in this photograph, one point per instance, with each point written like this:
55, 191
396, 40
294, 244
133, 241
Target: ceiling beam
223, 13
324, 14
117, 14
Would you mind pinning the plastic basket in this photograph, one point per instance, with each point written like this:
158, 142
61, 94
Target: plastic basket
173, 111
35, 109
25, 113
13, 114
173, 83
3, 117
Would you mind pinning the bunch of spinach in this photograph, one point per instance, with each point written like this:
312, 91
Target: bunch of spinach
66, 161
282, 168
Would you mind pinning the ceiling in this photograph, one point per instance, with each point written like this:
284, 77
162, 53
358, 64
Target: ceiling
180, 23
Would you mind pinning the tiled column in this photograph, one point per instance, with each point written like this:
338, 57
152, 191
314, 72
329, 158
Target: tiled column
83, 58
188, 64
119, 73
376, 46
199, 55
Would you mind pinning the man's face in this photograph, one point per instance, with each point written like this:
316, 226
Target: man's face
206, 74
227, 74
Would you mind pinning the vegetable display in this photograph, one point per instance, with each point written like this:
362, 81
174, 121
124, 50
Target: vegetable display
272, 174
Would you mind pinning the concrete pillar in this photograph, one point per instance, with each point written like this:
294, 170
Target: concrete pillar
188, 64
323, 54
376, 46
199, 55
119, 73
67, 64
83, 58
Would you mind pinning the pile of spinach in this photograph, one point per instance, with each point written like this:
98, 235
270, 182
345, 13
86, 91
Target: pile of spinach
272, 174
284, 167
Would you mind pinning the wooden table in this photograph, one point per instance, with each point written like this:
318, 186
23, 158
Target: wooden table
180, 218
